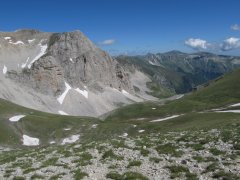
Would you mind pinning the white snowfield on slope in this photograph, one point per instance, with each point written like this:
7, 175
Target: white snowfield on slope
166, 118
71, 139
30, 141
16, 118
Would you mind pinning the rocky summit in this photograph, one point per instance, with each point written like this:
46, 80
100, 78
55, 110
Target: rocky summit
61, 73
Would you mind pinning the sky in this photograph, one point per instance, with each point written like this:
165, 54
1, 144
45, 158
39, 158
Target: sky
134, 26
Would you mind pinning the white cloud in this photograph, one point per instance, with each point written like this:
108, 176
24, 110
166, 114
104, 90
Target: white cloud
198, 44
108, 42
235, 27
230, 43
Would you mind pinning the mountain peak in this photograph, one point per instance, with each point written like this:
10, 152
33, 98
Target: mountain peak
174, 52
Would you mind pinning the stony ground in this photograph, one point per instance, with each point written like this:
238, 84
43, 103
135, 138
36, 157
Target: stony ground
199, 154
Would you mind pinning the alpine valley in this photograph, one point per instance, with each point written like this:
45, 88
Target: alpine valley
69, 110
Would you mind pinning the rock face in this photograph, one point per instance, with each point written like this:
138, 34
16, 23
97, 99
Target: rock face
65, 69
83, 62
73, 58
45, 76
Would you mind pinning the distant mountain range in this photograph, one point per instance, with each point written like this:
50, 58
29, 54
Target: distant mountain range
65, 73
177, 72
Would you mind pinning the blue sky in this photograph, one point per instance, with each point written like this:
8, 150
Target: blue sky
134, 26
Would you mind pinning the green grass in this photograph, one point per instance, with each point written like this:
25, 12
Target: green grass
37, 124
37, 176
134, 176
50, 162
159, 91
216, 152
49, 127
111, 155
155, 159
22, 164
144, 152
179, 171
134, 163
114, 175
196, 147
217, 94
236, 146
28, 170
225, 175
199, 159
119, 144
85, 159
78, 174
57, 176
212, 167
169, 149
126, 176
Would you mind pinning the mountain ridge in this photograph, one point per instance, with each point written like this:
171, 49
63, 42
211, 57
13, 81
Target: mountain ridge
180, 72
46, 66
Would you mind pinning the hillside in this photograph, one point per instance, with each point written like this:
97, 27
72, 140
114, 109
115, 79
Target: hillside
49, 127
62, 73
219, 93
184, 138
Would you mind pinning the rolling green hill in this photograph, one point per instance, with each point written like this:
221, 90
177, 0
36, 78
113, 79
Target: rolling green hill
218, 93
133, 142
47, 127
50, 127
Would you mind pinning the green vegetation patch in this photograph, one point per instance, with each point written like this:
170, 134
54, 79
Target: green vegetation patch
134, 163
169, 149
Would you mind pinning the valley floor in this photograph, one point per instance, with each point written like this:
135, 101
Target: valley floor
188, 154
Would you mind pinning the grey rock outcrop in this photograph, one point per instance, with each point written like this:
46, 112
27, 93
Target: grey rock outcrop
73, 58
64, 72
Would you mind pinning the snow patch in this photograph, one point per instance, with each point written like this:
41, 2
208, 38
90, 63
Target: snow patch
63, 113
18, 42
24, 65
83, 92
153, 108
235, 105
4, 69
7, 38
167, 118
62, 97
141, 131
129, 96
31, 40
30, 141
16, 118
229, 111
124, 135
67, 129
125, 92
71, 139
140, 119
94, 125
180, 96
71, 60
42, 52
52, 142
152, 63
